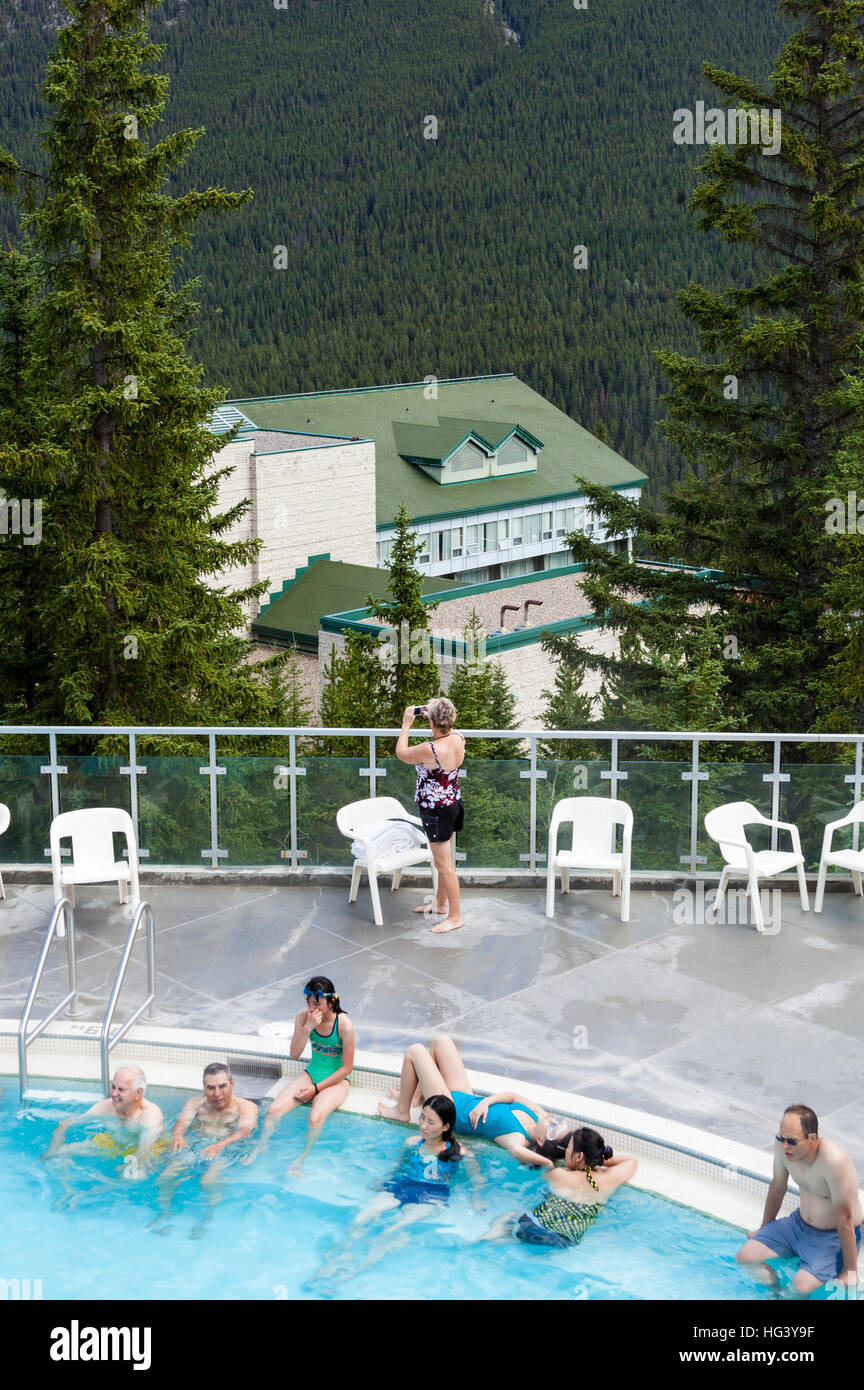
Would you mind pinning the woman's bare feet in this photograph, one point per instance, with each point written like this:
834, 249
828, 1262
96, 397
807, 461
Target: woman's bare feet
430, 909
392, 1112
448, 925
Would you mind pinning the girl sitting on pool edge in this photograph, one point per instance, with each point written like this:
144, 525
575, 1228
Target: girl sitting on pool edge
323, 1086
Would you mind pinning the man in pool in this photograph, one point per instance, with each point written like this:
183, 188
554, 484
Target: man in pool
206, 1126
825, 1233
132, 1131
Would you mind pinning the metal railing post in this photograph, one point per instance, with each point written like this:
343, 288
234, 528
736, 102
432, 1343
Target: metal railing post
293, 773
106, 1041
213, 770
133, 772
694, 777
613, 775
372, 771
533, 775
775, 778
62, 910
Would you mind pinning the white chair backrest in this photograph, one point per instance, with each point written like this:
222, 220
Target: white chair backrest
856, 814
595, 820
353, 819
92, 834
725, 824
5, 817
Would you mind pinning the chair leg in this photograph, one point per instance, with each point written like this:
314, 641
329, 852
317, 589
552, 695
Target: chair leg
753, 890
802, 889
721, 890
397, 877
376, 900
616, 884
856, 884
625, 895
820, 886
550, 889
565, 879
3, 890
121, 889
355, 881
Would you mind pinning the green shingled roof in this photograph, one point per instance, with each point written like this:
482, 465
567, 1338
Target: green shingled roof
487, 404
325, 586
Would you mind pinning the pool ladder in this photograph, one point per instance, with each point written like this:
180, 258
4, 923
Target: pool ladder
64, 913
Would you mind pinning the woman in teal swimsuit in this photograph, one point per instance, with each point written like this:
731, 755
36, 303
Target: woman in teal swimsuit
323, 1086
520, 1126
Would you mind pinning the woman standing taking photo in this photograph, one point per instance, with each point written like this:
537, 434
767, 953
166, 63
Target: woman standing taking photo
438, 799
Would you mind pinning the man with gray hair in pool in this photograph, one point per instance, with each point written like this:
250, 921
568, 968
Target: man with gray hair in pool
205, 1127
132, 1132
825, 1232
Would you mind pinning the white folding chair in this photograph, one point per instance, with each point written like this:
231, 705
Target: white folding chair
5, 817
726, 825
595, 825
851, 859
356, 821
92, 834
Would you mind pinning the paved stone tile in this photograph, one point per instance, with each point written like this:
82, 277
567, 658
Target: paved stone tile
96, 975
770, 1059
836, 1004
739, 958
506, 953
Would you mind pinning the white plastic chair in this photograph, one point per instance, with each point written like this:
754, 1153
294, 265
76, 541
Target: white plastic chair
852, 859
595, 823
726, 825
5, 817
356, 821
92, 835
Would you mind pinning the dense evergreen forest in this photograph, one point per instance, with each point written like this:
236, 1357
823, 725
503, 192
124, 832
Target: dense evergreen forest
408, 256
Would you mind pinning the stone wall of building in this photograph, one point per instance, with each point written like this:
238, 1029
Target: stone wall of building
306, 502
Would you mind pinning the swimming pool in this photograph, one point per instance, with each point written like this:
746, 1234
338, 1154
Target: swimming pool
269, 1236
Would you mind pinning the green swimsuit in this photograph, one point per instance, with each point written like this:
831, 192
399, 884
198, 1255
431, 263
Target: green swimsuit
326, 1054
556, 1221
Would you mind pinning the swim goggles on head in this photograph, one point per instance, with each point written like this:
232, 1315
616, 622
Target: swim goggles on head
317, 994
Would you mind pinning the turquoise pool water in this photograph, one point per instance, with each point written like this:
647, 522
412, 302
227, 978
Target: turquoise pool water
269, 1234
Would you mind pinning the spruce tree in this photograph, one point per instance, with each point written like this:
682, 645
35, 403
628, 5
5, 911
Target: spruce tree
354, 693
567, 704
483, 698
138, 625
766, 412
411, 676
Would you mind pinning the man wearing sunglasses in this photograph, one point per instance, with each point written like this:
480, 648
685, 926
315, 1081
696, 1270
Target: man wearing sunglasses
825, 1233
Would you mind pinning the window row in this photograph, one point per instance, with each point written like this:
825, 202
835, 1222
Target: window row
457, 542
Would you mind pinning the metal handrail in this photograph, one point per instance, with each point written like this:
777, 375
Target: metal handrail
106, 1039
62, 910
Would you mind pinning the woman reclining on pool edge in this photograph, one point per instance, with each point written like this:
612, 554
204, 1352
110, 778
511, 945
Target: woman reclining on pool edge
512, 1121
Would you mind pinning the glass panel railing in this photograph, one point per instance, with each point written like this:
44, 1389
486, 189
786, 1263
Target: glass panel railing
815, 794
174, 810
27, 793
660, 801
90, 781
328, 783
254, 811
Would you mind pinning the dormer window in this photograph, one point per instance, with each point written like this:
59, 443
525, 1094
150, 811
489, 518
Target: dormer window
514, 451
468, 459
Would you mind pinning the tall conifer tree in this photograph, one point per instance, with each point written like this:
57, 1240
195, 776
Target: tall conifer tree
139, 628
764, 414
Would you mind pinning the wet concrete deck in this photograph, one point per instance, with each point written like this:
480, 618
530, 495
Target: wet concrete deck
714, 1025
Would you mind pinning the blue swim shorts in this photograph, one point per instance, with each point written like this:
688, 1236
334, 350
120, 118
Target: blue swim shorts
412, 1190
819, 1252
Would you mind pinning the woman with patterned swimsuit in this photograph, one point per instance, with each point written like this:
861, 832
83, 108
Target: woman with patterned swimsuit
591, 1171
438, 799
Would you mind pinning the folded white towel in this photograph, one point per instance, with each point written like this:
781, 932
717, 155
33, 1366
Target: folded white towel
389, 837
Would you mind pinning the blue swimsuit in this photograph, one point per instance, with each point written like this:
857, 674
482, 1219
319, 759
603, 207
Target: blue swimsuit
500, 1118
420, 1178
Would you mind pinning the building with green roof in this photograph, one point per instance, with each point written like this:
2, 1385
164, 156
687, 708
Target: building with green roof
485, 466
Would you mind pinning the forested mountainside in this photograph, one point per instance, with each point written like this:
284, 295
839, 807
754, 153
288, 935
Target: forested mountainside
407, 256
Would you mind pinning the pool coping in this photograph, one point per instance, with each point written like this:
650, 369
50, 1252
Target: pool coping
720, 1177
